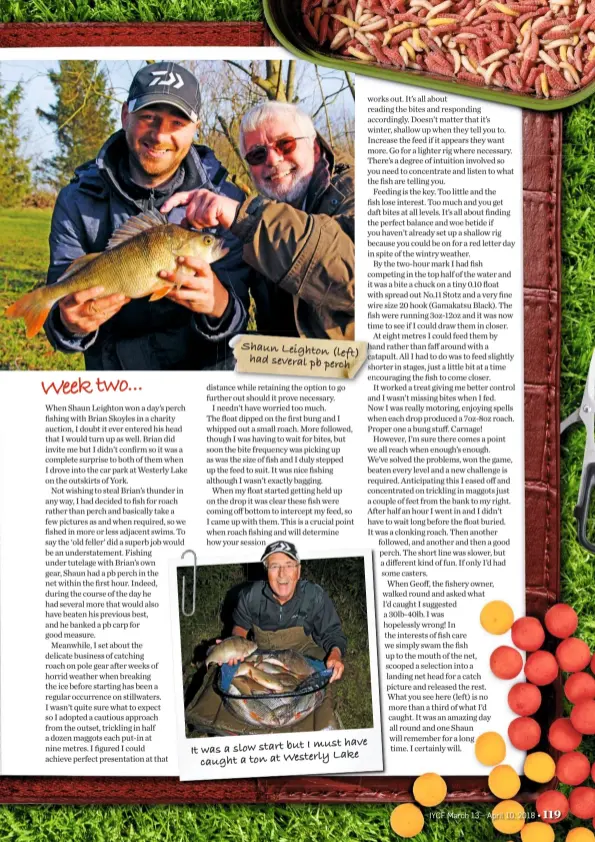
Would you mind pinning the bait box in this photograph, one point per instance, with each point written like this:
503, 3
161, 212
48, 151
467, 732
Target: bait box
285, 21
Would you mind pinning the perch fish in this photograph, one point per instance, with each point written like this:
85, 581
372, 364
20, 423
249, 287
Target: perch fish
142, 247
263, 689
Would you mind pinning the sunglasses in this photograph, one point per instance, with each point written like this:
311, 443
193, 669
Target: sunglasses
284, 146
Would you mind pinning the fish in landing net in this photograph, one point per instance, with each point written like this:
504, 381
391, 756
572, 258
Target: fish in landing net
142, 247
230, 649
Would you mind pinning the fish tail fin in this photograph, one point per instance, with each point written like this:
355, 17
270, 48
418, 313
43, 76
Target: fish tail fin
34, 308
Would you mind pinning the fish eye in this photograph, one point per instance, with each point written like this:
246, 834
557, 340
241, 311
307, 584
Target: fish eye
208, 241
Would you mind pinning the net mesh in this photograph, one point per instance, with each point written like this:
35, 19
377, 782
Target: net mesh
275, 709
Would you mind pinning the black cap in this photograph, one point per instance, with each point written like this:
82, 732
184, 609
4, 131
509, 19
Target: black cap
167, 82
285, 547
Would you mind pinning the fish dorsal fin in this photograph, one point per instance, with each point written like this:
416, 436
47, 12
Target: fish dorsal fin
77, 264
136, 225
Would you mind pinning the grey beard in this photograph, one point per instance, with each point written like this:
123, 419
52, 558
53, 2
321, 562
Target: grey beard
294, 195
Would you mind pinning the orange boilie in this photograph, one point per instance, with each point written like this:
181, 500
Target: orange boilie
541, 668
429, 789
504, 782
496, 617
508, 817
537, 832
506, 662
524, 733
582, 717
563, 736
524, 699
490, 748
552, 806
580, 834
579, 686
539, 767
582, 802
572, 768
561, 620
407, 820
527, 634
573, 654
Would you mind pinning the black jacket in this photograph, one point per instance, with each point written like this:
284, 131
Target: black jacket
310, 607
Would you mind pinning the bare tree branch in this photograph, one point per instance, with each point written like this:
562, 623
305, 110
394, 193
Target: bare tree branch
227, 132
326, 114
330, 99
272, 85
289, 86
239, 66
350, 83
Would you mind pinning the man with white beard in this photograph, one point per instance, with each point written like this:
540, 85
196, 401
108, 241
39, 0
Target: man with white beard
298, 234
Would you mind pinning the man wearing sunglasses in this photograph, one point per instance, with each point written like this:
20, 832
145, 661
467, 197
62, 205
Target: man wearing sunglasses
298, 234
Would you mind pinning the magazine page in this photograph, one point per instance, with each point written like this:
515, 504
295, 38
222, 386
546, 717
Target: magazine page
145, 449
279, 710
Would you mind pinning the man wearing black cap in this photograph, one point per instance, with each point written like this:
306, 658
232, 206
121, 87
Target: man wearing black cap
287, 612
138, 169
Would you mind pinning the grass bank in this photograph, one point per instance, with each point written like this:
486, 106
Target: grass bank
146, 11
24, 256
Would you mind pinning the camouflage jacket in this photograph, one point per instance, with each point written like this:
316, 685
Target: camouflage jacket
304, 260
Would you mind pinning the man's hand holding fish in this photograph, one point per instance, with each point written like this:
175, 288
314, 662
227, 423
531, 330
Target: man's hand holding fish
85, 311
335, 663
197, 287
303, 217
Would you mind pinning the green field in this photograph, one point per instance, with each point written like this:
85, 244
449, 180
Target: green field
13, 11
23, 265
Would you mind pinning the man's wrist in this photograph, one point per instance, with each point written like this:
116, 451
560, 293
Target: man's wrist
221, 300
71, 331
230, 211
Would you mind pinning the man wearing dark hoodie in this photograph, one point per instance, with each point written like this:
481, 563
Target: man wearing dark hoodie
298, 235
141, 166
